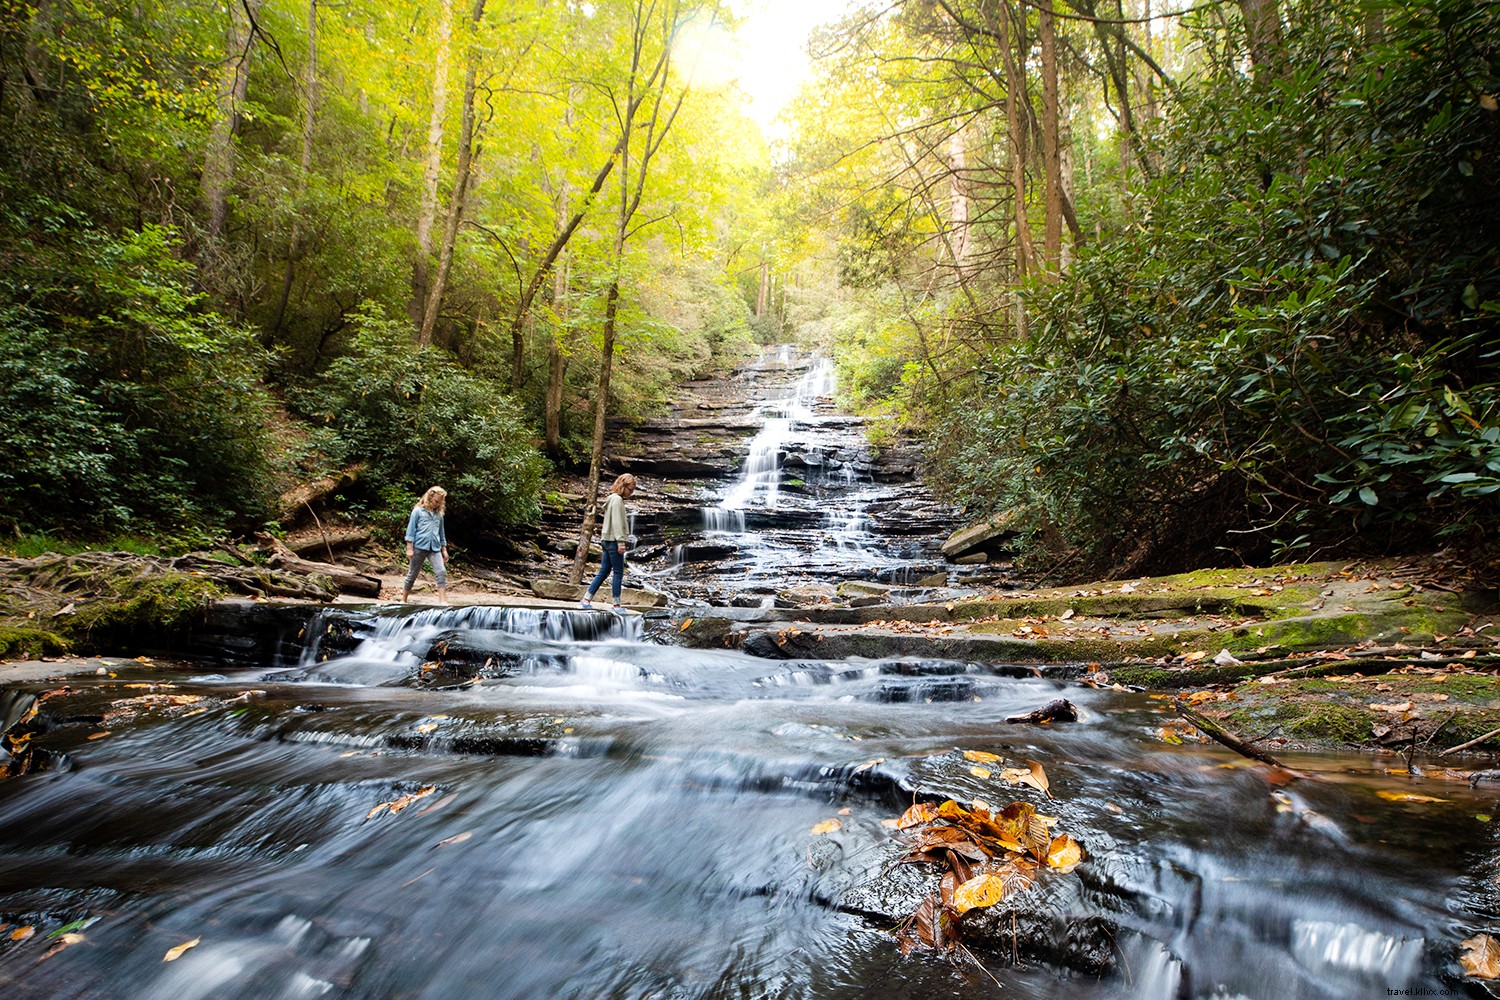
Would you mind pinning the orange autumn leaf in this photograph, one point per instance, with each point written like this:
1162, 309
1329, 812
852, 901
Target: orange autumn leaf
982, 756
173, 954
979, 772
1064, 854
22, 933
1481, 957
921, 812
827, 826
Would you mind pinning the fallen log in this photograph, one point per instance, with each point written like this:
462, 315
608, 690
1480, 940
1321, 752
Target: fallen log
1061, 710
291, 504
328, 542
347, 581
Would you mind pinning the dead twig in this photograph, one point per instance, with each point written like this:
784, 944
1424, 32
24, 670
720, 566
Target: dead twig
1218, 733
1474, 742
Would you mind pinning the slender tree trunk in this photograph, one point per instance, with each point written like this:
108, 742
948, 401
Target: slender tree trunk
763, 290
432, 169
557, 368
958, 208
596, 448
309, 122
1051, 146
1263, 36
468, 152
234, 86
1015, 94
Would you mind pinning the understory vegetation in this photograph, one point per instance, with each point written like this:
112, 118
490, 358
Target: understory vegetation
245, 246
1274, 332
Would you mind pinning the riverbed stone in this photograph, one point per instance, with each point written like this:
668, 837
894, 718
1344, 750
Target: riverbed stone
991, 536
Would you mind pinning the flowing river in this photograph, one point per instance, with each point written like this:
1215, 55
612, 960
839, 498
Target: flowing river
597, 814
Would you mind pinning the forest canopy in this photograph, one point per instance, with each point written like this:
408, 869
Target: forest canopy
1210, 284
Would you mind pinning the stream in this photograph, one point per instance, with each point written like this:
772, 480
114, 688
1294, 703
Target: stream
561, 804
594, 814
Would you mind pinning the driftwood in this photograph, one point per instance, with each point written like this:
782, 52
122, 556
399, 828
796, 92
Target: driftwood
293, 502
327, 542
1218, 733
1472, 743
1061, 710
347, 581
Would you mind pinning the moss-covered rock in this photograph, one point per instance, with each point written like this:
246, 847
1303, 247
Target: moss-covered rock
165, 604
23, 642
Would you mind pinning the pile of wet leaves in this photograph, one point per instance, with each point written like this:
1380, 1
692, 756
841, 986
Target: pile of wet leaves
985, 855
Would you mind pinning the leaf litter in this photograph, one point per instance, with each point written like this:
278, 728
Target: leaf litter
986, 857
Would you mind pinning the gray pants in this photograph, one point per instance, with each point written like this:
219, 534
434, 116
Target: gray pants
414, 565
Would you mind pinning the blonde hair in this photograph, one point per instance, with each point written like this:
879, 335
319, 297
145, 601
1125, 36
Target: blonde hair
623, 481
435, 499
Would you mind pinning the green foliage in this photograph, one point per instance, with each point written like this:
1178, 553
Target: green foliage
1292, 351
128, 403
420, 420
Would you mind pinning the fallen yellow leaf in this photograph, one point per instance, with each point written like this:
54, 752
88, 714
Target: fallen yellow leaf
983, 756
979, 772
1039, 778
1064, 854
827, 826
1407, 797
173, 954
980, 891
22, 933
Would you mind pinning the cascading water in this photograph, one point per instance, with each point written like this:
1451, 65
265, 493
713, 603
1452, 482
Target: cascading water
572, 812
777, 524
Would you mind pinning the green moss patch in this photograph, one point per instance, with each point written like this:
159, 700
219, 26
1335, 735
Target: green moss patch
26, 643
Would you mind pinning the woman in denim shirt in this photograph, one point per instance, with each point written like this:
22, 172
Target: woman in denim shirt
427, 541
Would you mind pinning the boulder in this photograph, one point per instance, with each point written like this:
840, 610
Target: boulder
863, 588
990, 536
561, 590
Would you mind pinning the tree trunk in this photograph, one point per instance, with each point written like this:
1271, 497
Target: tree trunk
1051, 146
309, 122
958, 208
468, 152
1263, 36
234, 84
596, 449
432, 170
1015, 92
763, 290
557, 365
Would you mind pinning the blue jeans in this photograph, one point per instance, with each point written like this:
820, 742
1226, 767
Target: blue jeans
612, 559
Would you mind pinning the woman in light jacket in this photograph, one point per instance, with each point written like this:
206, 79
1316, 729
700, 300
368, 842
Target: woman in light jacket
427, 541
613, 538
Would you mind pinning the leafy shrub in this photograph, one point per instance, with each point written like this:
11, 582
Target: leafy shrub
418, 420
127, 404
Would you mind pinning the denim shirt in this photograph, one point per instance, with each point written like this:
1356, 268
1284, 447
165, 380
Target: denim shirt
425, 530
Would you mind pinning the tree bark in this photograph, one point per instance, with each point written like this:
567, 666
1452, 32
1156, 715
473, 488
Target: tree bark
468, 152
309, 122
1051, 145
1015, 93
1263, 36
234, 84
432, 169
596, 448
